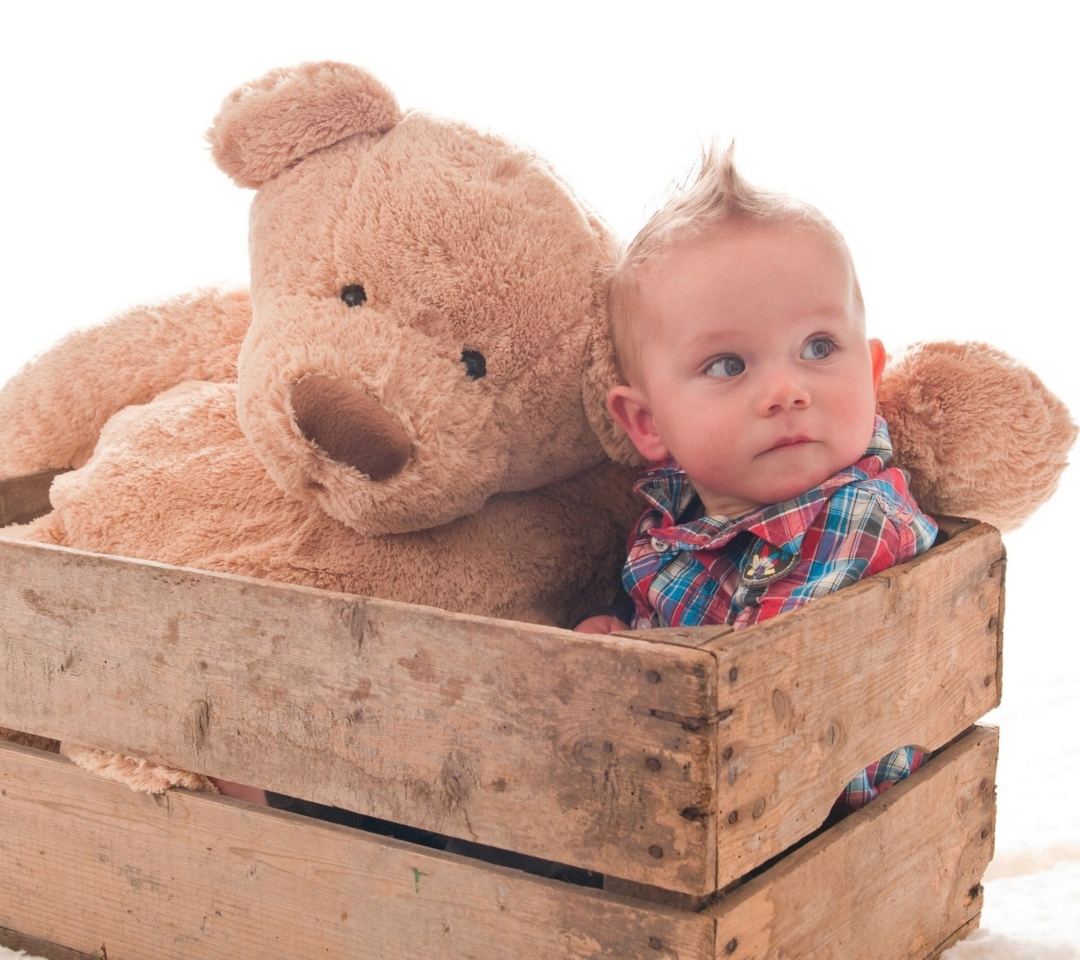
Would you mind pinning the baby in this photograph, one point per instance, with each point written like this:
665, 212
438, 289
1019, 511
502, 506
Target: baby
750, 382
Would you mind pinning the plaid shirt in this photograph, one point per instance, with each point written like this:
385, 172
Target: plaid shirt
687, 570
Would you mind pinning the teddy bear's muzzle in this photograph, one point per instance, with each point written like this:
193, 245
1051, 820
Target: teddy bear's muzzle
350, 426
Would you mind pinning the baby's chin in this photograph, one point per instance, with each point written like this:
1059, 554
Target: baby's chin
795, 485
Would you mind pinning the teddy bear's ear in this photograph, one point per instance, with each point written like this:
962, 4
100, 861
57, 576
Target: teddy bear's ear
266, 126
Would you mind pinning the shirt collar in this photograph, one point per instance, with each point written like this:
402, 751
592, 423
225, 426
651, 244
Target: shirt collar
783, 525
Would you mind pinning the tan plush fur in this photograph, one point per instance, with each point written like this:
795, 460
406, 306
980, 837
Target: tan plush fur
979, 433
323, 434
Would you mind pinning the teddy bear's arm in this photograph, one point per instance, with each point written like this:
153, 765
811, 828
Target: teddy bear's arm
978, 432
52, 410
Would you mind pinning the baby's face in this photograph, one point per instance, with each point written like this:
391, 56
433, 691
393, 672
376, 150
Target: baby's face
755, 371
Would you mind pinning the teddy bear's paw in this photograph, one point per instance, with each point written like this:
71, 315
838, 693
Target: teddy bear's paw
140, 775
979, 433
266, 126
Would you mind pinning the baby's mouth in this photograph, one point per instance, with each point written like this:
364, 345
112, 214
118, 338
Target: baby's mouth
789, 442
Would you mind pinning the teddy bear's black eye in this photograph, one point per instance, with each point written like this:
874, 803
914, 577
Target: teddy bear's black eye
475, 364
353, 294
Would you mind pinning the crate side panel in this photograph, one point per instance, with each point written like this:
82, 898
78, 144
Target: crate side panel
24, 498
581, 749
898, 879
909, 657
197, 876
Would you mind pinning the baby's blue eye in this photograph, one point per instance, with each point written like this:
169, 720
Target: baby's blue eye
727, 366
817, 349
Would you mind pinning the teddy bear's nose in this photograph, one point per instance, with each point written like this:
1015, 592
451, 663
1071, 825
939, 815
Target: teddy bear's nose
350, 426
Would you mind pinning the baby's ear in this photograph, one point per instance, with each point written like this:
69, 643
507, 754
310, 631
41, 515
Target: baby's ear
630, 410
878, 358
266, 126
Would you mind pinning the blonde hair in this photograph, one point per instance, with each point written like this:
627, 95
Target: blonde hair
717, 194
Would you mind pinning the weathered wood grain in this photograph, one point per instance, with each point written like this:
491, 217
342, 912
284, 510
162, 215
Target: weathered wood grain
22, 499
193, 876
555, 744
14, 940
909, 657
677, 766
196, 876
899, 878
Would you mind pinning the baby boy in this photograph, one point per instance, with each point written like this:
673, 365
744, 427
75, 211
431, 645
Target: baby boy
750, 383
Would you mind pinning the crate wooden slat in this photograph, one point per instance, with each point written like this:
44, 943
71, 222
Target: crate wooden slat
639, 757
907, 896
24, 498
90, 863
911, 656
515, 736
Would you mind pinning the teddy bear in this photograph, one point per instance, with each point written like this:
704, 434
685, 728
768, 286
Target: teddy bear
410, 401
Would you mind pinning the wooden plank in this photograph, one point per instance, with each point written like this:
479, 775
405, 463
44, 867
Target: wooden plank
104, 871
900, 878
23, 499
970, 927
673, 766
194, 876
912, 656
949, 527
559, 745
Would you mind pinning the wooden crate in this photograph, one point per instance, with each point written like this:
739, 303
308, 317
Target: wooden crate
677, 763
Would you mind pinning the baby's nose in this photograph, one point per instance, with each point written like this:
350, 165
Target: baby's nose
784, 390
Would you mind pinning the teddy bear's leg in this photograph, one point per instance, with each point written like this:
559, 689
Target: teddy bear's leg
52, 411
144, 776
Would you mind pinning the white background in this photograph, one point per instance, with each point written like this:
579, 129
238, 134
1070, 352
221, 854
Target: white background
941, 138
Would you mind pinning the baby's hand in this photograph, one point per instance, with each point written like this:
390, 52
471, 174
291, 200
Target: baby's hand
602, 624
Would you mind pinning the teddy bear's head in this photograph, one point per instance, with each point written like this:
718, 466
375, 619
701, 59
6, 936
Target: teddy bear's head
425, 301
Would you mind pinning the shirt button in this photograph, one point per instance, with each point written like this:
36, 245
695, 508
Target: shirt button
659, 546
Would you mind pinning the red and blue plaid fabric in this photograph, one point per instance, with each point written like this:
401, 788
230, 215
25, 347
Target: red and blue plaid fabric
879, 776
684, 569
